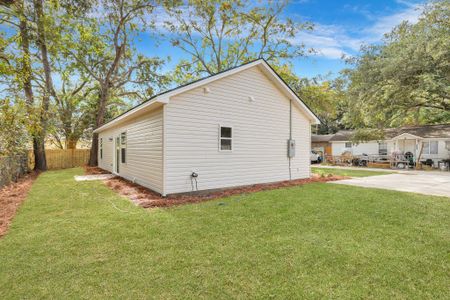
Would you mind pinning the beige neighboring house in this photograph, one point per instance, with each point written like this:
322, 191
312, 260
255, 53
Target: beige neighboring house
239, 127
321, 143
435, 140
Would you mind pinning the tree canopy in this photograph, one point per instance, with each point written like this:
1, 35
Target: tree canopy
218, 35
67, 67
406, 79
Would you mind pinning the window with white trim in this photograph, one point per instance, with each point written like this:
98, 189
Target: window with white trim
431, 147
101, 148
382, 148
348, 144
225, 138
123, 147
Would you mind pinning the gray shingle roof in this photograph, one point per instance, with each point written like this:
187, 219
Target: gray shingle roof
321, 137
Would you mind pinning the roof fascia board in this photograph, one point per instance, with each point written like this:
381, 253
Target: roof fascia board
125, 116
405, 134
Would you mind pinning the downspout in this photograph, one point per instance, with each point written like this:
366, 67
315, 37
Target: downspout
290, 136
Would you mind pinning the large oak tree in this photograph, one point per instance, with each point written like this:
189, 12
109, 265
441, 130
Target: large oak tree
102, 44
406, 79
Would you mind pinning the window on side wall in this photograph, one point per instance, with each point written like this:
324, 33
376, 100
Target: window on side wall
123, 147
434, 146
382, 148
430, 147
101, 148
348, 144
225, 138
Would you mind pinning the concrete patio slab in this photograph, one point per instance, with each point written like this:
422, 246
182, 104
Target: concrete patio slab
94, 177
436, 184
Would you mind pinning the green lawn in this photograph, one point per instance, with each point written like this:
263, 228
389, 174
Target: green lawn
81, 240
351, 173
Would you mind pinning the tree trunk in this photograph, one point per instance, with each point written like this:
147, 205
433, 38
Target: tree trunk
93, 160
38, 144
103, 98
40, 160
42, 42
71, 143
26, 63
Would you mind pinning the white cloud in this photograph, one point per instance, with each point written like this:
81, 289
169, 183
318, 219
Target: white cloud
331, 52
323, 41
385, 24
332, 41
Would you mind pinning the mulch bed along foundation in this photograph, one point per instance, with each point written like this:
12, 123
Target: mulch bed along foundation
11, 197
150, 199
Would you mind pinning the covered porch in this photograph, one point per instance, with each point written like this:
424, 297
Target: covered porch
406, 150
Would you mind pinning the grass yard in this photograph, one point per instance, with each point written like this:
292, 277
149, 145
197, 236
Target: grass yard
81, 240
351, 173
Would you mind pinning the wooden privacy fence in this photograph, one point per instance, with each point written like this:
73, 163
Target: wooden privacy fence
62, 159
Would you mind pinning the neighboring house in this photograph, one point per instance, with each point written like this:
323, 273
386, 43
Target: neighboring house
321, 143
229, 129
435, 140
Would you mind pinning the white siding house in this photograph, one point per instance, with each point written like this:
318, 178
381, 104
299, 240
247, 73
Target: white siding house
144, 150
230, 129
428, 141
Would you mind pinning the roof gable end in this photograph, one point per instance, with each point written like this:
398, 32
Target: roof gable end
165, 97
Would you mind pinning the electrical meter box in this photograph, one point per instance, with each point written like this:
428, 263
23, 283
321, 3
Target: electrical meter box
291, 148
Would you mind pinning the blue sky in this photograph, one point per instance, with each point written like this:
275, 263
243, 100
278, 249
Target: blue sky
341, 27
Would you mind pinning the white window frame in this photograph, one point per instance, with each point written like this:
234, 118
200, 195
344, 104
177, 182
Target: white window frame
124, 146
101, 148
225, 138
345, 145
429, 148
379, 147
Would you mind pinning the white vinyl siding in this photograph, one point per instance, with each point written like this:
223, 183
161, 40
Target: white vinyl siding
259, 135
370, 148
105, 163
144, 150
101, 148
301, 133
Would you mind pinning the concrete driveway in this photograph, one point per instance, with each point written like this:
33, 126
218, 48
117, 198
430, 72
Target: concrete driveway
432, 183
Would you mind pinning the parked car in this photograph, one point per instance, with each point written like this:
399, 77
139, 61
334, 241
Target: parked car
315, 157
